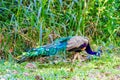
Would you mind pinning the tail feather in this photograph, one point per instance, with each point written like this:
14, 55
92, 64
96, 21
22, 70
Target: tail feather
45, 50
22, 59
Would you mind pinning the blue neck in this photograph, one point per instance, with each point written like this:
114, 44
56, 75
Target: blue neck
89, 50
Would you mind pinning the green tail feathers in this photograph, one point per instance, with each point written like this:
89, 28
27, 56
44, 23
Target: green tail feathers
59, 45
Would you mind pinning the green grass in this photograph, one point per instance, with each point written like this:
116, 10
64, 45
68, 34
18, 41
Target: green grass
104, 68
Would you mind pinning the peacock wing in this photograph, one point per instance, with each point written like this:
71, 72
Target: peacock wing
76, 41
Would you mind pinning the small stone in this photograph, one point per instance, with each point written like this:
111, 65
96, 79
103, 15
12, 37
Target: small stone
75, 78
30, 66
37, 77
26, 74
2, 79
15, 72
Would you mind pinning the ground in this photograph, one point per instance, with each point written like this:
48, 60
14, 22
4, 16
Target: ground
107, 67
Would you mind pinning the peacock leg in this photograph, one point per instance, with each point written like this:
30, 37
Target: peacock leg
76, 56
79, 57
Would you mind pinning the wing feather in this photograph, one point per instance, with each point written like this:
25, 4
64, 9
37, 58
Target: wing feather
76, 41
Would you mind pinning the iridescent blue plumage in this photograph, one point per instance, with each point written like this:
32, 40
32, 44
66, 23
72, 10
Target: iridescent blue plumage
50, 49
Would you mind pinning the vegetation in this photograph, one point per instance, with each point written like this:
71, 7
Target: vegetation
25, 24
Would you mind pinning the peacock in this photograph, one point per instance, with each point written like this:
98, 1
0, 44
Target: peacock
71, 44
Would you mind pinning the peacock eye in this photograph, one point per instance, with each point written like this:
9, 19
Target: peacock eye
47, 49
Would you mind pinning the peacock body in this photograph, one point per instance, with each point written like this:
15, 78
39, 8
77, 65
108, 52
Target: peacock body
75, 43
